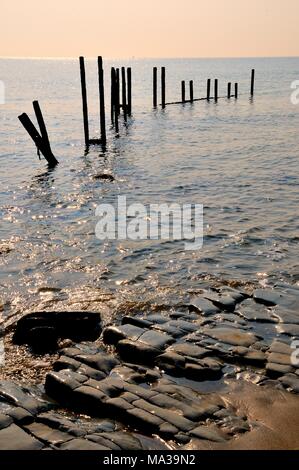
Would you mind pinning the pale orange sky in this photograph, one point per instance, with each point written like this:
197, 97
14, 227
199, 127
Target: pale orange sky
149, 28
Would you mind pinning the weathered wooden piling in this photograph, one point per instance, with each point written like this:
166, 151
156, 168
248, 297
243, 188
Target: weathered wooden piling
236, 90
208, 89
183, 88
163, 86
124, 92
229, 90
116, 107
41, 124
191, 90
112, 94
216, 90
155, 87
252, 82
102, 101
84, 100
42, 143
129, 86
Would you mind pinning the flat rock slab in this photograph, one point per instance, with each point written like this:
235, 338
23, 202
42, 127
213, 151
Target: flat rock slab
14, 438
42, 330
232, 336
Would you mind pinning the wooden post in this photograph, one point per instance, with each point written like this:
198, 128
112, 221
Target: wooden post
252, 82
183, 91
112, 102
41, 124
116, 107
236, 90
216, 89
208, 89
124, 92
229, 90
40, 143
129, 85
155, 101
163, 87
84, 101
102, 101
117, 87
191, 90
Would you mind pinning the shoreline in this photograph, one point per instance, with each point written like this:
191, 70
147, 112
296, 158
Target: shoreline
210, 374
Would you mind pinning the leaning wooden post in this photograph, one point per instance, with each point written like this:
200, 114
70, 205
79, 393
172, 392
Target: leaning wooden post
102, 101
129, 85
40, 143
252, 82
208, 89
84, 100
155, 76
124, 91
41, 124
112, 102
163, 87
191, 90
117, 88
183, 91
236, 90
216, 90
229, 90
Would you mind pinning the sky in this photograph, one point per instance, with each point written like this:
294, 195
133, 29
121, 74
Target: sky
149, 28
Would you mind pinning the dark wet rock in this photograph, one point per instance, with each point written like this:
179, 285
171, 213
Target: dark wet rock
189, 350
19, 396
232, 336
290, 381
56, 421
5, 421
82, 444
168, 430
280, 347
275, 370
156, 339
203, 306
41, 330
20, 415
137, 321
114, 334
89, 399
100, 361
143, 419
253, 311
267, 297
286, 316
137, 351
171, 417
279, 358
99, 439
208, 433
223, 302
15, 438
104, 176
47, 434
289, 330
42, 339
59, 385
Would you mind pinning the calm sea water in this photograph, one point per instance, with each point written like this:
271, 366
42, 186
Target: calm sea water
237, 158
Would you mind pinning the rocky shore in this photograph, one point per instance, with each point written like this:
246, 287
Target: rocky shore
216, 372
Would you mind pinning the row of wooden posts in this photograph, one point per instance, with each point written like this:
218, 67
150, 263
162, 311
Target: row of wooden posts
121, 99
191, 90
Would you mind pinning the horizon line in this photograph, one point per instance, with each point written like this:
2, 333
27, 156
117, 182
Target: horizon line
148, 58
